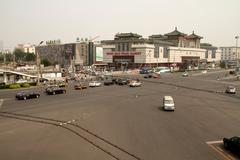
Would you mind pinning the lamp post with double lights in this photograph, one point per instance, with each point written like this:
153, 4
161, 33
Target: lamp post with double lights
38, 61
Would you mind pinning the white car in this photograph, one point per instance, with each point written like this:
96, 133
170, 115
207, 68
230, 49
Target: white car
231, 90
21, 81
204, 71
163, 70
185, 74
94, 84
135, 84
168, 103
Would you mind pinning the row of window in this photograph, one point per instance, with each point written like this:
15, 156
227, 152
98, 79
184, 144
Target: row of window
213, 54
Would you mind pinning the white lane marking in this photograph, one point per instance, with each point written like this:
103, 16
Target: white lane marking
1, 102
220, 150
214, 142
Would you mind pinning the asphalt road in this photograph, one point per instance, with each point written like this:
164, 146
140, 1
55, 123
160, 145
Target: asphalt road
130, 118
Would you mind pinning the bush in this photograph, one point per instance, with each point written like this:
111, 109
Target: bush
4, 86
25, 85
14, 86
33, 83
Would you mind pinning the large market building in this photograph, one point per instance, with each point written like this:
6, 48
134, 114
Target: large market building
175, 49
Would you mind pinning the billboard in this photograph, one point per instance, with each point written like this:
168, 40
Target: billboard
99, 54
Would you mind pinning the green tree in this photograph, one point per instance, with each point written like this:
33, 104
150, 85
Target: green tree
19, 55
45, 62
30, 57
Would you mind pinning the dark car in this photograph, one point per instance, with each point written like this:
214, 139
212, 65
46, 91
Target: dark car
50, 86
114, 80
232, 144
232, 72
108, 82
80, 86
56, 90
122, 81
144, 70
27, 94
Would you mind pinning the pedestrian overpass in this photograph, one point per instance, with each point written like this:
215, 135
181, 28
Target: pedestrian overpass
6, 72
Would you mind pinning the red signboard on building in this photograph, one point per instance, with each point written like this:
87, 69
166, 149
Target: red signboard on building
123, 53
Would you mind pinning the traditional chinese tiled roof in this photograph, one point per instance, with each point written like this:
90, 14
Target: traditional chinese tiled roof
194, 36
158, 36
175, 33
127, 35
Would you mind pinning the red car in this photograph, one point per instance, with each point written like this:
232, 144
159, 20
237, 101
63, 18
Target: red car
80, 86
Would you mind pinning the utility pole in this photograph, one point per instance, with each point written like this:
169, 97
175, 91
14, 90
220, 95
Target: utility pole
38, 62
237, 55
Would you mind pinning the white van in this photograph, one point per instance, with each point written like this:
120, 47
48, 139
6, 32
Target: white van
168, 103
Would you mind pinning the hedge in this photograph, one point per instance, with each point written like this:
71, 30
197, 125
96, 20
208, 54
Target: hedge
25, 85
14, 86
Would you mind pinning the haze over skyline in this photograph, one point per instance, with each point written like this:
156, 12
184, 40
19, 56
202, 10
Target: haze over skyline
30, 21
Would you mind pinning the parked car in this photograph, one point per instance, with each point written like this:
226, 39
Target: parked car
94, 84
160, 70
50, 86
185, 74
44, 80
135, 84
114, 80
144, 70
231, 90
156, 75
21, 81
62, 84
122, 81
204, 71
232, 72
232, 144
168, 103
56, 90
108, 82
80, 86
27, 94
149, 75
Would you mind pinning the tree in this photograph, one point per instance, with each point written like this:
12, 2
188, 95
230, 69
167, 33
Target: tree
19, 55
30, 57
45, 62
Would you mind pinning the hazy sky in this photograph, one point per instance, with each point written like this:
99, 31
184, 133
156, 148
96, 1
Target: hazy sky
30, 21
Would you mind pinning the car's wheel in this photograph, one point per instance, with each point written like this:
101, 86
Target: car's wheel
225, 145
53, 93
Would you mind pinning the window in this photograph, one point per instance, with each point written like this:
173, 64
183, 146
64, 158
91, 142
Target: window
118, 47
165, 53
156, 52
127, 46
214, 54
206, 54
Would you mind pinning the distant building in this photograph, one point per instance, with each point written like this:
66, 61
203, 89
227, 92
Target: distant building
72, 54
212, 53
229, 53
27, 48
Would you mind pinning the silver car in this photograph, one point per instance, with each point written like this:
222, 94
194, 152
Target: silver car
231, 90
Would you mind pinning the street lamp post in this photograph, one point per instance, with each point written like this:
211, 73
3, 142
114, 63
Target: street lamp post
237, 55
38, 64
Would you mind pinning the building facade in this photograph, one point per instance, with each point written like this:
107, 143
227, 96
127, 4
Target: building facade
230, 53
70, 55
27, 48
175, 49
